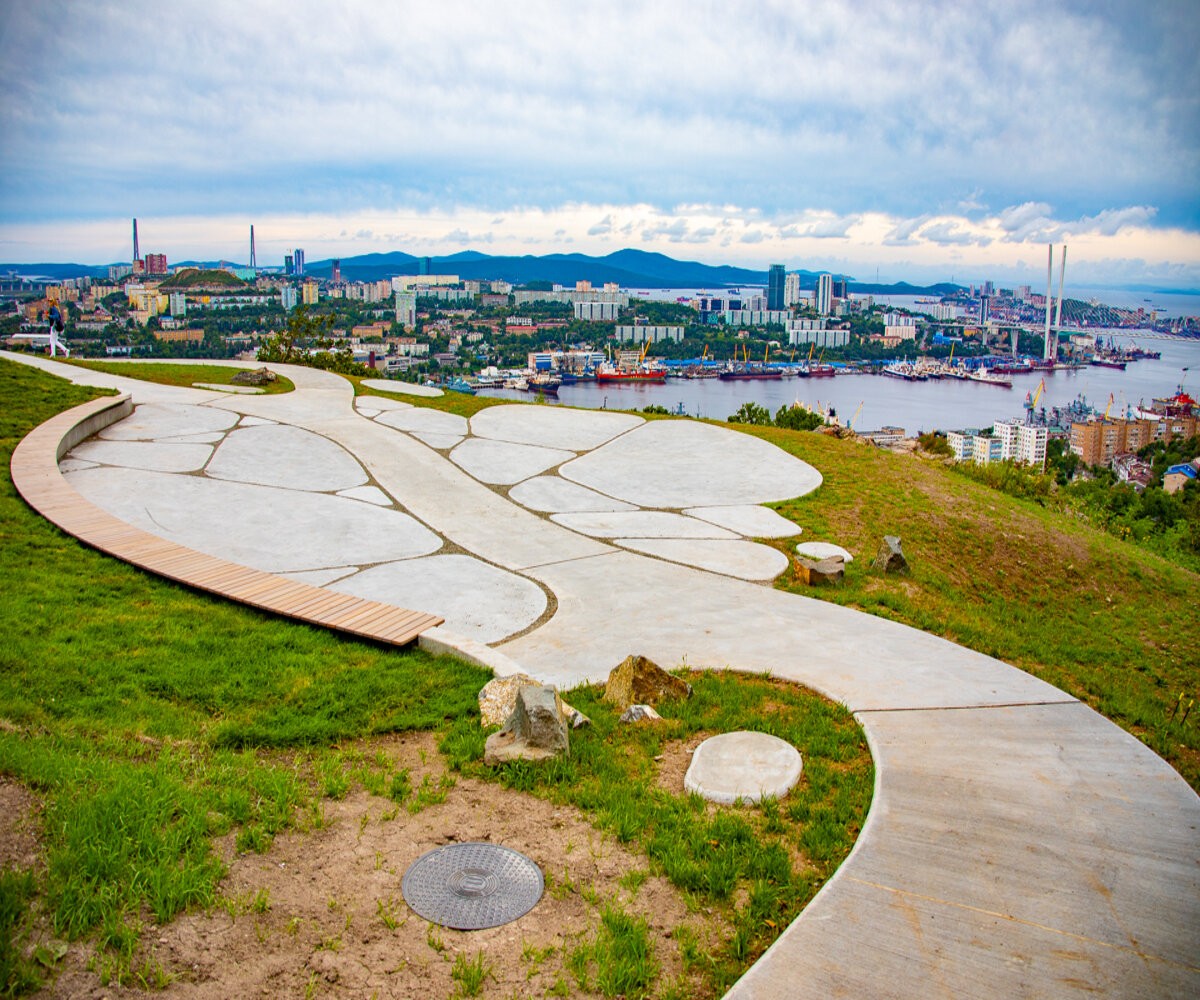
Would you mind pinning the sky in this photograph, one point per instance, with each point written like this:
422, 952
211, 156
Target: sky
923, 140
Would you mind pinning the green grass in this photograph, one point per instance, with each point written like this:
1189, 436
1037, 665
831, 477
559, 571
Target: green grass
775, 856
165, 373
619, 961
1102, 619
470, 974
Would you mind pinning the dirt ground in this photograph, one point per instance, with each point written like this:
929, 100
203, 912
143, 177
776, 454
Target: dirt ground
321, 914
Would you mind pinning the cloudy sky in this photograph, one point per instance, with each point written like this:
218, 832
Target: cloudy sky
923, 140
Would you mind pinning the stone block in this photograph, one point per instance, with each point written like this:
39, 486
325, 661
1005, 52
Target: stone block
639, 681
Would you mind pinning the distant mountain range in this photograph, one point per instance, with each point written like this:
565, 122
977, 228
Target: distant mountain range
631, 269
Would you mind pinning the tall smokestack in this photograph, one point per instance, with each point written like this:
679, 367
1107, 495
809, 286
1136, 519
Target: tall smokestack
1062, 274
136, 254
253, 261
1049, 297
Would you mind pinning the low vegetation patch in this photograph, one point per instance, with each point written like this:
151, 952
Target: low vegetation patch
754, 866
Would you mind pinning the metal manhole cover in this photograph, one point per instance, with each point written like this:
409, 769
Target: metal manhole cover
467, 887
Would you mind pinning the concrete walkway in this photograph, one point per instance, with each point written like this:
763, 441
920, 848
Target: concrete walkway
1019, 844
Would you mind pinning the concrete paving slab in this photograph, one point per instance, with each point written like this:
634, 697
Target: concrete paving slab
238, 390
435, 439
478, 601
466, 512
379, 404
276, 530
405, 388
154, 455
747, 519
75, 464
552, 426
254, 422
985, 843
159, 420
414, 418
288, 457
743, 767
553, 495
207, 437
673, 613
639, 524
822, 550
503, 463
368, 494
685, 464
367, 411
744, 560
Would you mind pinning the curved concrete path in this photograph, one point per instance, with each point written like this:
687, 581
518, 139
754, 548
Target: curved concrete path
1018, 845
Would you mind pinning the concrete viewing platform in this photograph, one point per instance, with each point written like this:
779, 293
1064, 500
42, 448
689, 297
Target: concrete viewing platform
1018, 843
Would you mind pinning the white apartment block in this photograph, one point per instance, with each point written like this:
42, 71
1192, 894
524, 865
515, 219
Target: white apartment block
596, 311
406, 309
755, 317
1010, 441
642, 334
819, 336
791, 290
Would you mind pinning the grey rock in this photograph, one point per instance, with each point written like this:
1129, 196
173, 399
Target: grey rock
890, 558
498, 698
640, 713
260, 376
536, 730
820, 572
639, 681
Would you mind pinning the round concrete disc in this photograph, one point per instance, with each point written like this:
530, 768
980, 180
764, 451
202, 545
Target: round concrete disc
743, 766
471, 886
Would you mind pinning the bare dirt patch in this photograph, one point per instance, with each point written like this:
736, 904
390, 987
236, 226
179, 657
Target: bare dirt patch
20, 813
321, 913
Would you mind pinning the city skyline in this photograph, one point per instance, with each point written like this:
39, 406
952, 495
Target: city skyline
921, 142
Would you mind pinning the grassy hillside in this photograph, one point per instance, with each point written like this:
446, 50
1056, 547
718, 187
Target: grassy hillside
1104, 620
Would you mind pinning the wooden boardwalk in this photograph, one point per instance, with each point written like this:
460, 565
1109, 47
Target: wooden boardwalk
36, 475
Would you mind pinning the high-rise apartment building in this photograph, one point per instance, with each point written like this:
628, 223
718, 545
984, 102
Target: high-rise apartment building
336, 271
406, 309
289, 264
824, 295
308, 293
791, 291
287, 297
156, 263
298, 260
775, 282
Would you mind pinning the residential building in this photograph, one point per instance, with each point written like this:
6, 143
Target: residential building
642, 334
309, 293
818, 336
298, 261
755, 317
985, 448
403, 282
287, 297
823, 299
962, 444
791, 291
1097, 442
186, 336
178, 303
775, 282
406, 309
1178, 476
596, 311
156, 263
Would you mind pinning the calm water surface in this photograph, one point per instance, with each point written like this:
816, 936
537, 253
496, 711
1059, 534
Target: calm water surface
916, 406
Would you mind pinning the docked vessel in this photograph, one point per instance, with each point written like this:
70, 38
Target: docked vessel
983, 375
740, 372
643, 373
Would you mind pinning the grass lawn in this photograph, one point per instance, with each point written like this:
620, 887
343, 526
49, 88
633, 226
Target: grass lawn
147, 720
